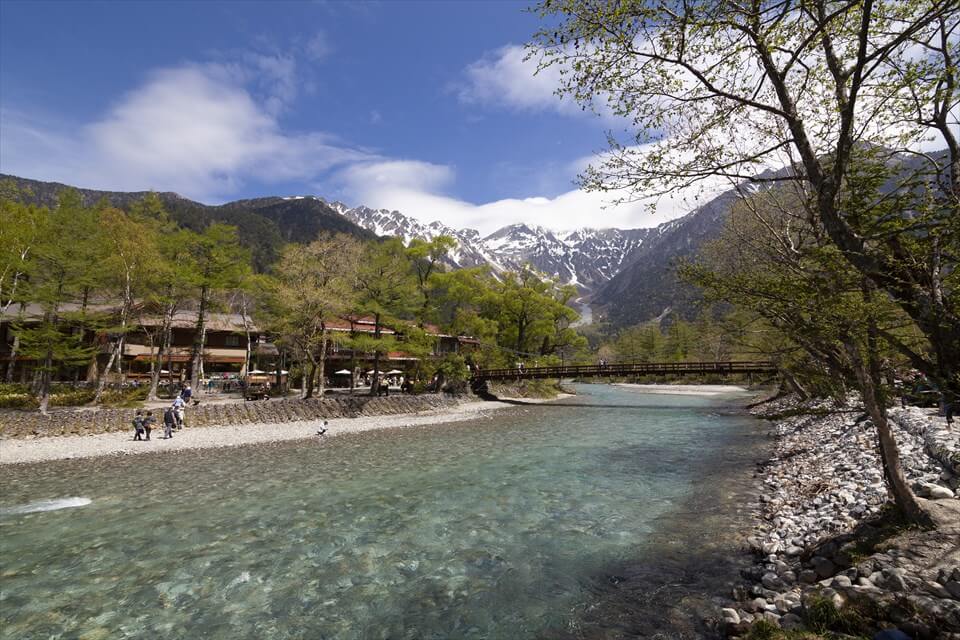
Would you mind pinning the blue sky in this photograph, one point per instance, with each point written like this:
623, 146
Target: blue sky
426, 107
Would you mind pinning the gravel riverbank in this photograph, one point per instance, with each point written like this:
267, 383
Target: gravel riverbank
818, 536
684, 389
122, 443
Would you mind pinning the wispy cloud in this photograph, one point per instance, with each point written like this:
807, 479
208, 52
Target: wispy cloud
418, 189
508, 78
210, 130
318, 47
195, 129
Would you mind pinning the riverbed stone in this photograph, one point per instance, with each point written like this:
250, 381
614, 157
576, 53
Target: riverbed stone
755, 605
824, 567
938, 492
841, 580
771, 581
730, 615
808, 576
953, 588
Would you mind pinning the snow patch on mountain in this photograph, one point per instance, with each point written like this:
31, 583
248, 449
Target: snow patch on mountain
585, 257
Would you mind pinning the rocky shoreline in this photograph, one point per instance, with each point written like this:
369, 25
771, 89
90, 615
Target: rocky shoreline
829, 558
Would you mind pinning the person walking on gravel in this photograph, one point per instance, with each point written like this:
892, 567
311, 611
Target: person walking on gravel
178, 408
138, 425
169, 422
148, 423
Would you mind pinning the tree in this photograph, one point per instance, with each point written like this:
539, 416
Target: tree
772, 261
64, 265
464, 300
217, 263
21, 228
311, 284
172, 286
427, 259
129, 264
533, 316
831, 89
387, 290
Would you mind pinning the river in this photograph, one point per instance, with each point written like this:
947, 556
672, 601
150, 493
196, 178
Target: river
608, 515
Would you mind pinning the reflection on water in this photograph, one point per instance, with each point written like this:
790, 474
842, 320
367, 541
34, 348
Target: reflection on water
601, 521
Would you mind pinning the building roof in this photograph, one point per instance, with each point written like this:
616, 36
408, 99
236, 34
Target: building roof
230, 322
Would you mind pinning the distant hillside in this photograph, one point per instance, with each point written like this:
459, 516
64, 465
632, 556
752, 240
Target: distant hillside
648, 287
264, 224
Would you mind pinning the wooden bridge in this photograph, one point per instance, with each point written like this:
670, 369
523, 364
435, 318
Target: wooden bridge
625, 370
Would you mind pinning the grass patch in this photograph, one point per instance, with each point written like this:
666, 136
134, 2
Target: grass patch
857, 619
19, 396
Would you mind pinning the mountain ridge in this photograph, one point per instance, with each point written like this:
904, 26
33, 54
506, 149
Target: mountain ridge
594, 260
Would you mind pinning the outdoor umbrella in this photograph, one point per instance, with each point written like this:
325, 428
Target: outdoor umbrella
393, 372
342, 372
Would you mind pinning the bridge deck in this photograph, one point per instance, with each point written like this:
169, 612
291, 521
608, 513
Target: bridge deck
626, 370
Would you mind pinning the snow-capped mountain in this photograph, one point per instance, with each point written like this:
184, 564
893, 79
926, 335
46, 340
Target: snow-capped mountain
583, 257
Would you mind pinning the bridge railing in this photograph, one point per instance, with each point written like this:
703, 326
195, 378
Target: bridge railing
628, 369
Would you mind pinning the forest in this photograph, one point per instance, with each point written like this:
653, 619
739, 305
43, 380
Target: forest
95, 270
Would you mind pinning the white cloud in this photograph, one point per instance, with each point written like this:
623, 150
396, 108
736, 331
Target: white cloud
415, 189
194, 129
506, 78
381, 175
206, 130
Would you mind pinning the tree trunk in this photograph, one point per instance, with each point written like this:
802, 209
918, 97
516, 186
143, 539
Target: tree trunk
82, 332
869, 375
44, 390
13, 358
795, 386
246, 330
375, 384
322, 369
93, 370
309, 379
157, 364
15, 348
897, 484
199, 338
102, 382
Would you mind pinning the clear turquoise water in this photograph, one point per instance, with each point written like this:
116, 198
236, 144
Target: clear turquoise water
608, 517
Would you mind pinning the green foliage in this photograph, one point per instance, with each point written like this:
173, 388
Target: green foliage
732, 336
857, 618
21, 396
845, 118
149, 261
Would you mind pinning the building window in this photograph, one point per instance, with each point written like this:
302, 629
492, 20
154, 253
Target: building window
232, 341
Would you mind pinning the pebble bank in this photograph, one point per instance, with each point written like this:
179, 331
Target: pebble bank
819, 498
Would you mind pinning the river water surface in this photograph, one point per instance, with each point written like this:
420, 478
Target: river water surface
609, 515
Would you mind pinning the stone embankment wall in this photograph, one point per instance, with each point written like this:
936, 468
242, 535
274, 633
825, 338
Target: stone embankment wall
30, 424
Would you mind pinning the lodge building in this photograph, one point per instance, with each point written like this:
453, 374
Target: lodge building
232, 341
